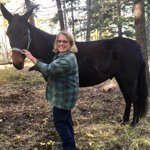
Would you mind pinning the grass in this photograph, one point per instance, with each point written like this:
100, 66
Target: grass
10, 77
113, 136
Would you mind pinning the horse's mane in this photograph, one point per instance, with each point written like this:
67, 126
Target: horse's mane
41, 43
40, 32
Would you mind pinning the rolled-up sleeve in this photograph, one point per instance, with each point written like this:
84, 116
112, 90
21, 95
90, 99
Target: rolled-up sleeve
54, 69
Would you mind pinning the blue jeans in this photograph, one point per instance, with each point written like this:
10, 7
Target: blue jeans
64, 126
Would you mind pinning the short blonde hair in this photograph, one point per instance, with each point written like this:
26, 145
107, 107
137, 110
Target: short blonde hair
70, 37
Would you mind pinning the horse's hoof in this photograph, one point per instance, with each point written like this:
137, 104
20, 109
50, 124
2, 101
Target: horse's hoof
122, 122
133, 124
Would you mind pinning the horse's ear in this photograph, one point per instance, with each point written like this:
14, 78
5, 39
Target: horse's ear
7, 15
27, 14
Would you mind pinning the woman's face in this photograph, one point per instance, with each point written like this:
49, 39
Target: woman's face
63, 43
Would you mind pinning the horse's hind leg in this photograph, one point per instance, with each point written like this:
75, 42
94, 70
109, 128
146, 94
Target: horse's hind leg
126, 115
135, 114
128, 109
129, 90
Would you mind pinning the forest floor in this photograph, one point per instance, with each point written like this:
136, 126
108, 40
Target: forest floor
26, 121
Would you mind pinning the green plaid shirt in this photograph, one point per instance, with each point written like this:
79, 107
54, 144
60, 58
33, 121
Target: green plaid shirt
62, 80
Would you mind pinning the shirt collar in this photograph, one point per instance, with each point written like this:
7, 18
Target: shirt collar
64, 53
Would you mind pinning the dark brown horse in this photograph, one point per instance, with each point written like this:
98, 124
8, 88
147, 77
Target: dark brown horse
98, 61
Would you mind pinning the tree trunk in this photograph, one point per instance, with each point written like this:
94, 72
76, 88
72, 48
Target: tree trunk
88, 20
4, 45
101, 20
72, 16
148, 35
29, 6
60, 14
64, 13
140, 31
119, 22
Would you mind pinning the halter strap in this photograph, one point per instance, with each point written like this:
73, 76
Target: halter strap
29, 41
17, 49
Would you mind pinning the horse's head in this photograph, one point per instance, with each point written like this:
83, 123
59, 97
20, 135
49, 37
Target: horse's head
18, 34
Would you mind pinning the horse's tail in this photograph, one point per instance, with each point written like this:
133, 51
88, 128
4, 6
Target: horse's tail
143, 91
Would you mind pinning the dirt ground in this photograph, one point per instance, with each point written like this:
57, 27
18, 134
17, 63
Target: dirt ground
26, 121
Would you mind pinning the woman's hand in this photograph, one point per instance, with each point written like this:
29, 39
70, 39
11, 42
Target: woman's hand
29, 55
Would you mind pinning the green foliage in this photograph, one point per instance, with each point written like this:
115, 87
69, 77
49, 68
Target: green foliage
103, 13
108, 17
11, 78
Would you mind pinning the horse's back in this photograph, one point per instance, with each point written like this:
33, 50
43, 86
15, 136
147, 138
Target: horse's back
127, 57
127, 47
105, 59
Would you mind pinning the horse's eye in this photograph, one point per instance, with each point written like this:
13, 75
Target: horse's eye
24, 34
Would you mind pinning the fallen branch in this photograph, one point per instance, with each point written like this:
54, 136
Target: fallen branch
6, 63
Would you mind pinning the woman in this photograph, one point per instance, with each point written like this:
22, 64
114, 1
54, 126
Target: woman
62, 85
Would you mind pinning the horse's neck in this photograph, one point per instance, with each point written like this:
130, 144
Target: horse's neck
41, 44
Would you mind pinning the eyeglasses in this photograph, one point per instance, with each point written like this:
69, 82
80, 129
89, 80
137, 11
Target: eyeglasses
65, 42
